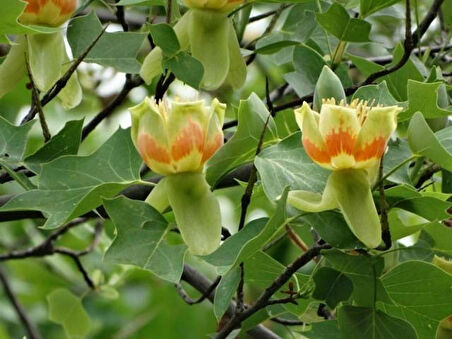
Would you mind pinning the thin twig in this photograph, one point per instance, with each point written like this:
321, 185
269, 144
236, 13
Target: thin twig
386, 234
131, 83
120, 15
78, 263
203, 297
36, 102
246, 197
287, 322
263, 300
61, 83
47, 248
26, 322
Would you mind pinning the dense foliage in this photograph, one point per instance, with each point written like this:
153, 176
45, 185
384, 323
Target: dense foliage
306, 194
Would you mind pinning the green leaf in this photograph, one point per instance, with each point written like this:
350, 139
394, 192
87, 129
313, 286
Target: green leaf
118, 50
261, 270
66, 142
363, 322
13, 140
377, 95
286, 163
337, 22
396, 81
332, 286
308, 65
140, 233
249, 240
164, 36
67, 310
273, 42
225, 291
367, 7
403, 223
424, 142
398, 153
323, 330
423, 97
241, 148
72, 185
422, 295
440, 237
363, 271
186, 68
332, 228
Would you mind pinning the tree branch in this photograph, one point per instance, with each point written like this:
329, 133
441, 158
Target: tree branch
201, 283
29, 327
61, 83
264, 299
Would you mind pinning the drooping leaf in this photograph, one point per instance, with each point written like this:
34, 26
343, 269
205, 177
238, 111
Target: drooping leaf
140, 233
13, 140
424, 142
164, 36
337, 22
363, 271
286, 163
186, 68
67, 310
261, 270
323, 330
367, 7
332, 286
308, 65
118, 50
421, 292
332, 227
225, 291
423, 97
241, 148
66, 142
365, 322
249, 240
72, 185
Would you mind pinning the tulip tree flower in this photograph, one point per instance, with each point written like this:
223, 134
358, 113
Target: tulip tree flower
46, 52
207, 32
349, 140
175, 140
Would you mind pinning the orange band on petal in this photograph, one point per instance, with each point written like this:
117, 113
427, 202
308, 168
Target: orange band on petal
212, 147
32, 7
150, 149
374, 149
340, 142
191, 137
315, 153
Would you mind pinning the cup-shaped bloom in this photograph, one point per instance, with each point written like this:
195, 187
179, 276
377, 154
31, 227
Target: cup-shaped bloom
52, 13
177, 137
219, 5
350, 140
344, 136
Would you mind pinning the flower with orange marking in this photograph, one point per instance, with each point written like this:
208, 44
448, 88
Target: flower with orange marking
349, 140
344, 136
178, 137
52, 13
219, 5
